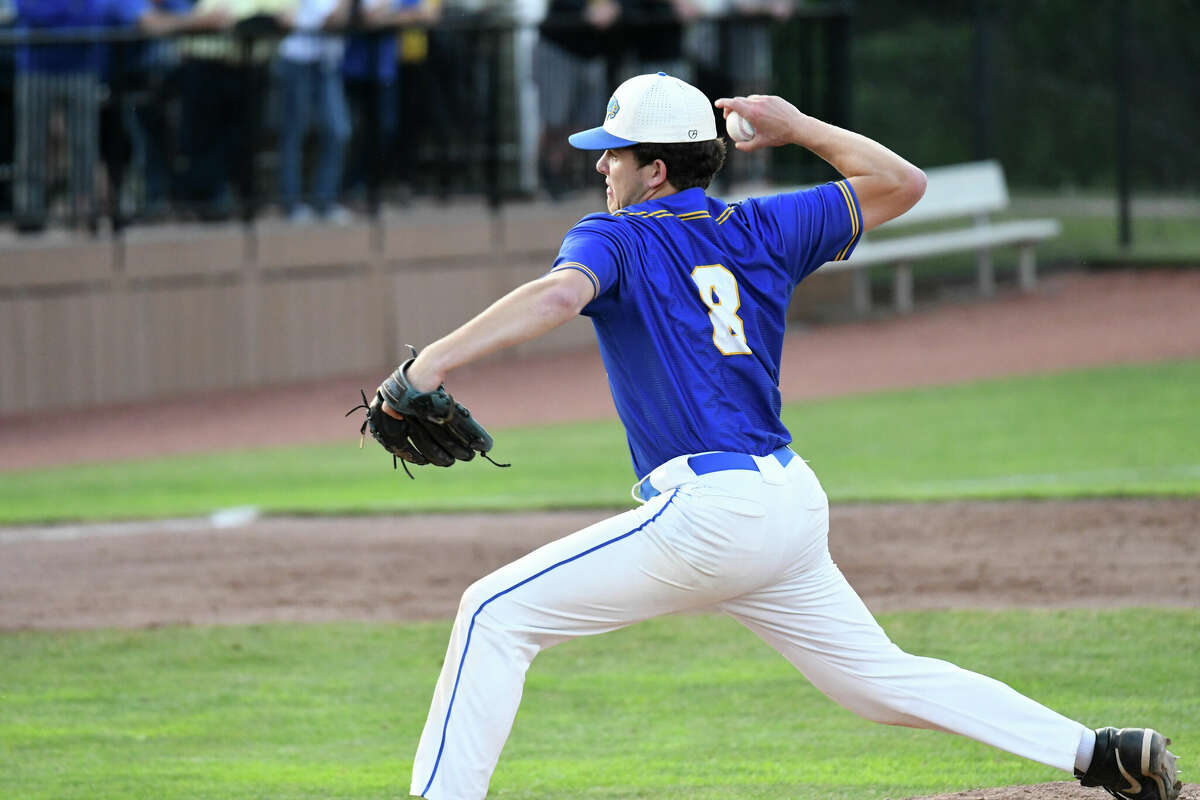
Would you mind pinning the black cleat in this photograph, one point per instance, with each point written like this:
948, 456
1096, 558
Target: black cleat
1133, 764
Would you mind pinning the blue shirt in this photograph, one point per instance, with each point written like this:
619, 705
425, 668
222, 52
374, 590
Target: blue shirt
691, 306
361, 48
143, 57
43, 15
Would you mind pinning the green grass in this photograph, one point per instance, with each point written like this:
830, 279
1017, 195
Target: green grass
687, 707
1090, 228
1095, 239
1112, 431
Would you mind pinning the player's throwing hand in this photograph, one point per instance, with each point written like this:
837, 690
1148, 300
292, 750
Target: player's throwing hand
776, 122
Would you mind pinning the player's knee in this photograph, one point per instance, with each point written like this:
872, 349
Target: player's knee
475, 598
484, 595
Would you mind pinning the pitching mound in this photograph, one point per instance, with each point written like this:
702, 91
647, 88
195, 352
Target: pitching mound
1046, 791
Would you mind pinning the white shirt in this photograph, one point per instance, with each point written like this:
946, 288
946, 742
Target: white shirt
308, 46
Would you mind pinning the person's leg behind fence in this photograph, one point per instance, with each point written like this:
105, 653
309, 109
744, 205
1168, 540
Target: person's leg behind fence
82, 96
295, 103
333, 127
32, 122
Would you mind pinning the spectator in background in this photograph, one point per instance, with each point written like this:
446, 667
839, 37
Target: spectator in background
47, 77
748, 52
704, 44
748, 46
217, 103
453, 78
68, 75
133, 125
652, 37
570, 70
420, 95
148, 123
729, 47
369, 75
311, 93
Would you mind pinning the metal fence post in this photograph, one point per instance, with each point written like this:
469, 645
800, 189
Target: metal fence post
253, 99
1122, 66
981, 80
492, 134
840, 99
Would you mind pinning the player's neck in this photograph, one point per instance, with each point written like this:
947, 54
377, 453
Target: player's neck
664, 189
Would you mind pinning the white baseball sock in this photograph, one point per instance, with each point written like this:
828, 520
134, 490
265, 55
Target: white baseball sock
1087, 747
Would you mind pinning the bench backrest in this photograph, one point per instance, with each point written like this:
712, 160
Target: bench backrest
973, 189
961, 190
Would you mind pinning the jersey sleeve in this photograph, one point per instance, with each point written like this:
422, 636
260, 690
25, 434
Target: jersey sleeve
810, 227
592, 248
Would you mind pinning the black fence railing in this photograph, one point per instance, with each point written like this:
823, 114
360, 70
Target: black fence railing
104, 128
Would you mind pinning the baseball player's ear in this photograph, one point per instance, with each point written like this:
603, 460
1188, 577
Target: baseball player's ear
659, 175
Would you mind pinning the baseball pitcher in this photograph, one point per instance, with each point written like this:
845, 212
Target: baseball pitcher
688, 296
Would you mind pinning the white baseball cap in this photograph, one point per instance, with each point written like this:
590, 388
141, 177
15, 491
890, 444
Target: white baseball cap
651, 108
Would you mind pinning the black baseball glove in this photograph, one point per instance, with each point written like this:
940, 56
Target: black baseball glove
433, 428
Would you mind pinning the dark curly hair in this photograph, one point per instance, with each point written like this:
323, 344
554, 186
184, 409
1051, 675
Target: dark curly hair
689, 164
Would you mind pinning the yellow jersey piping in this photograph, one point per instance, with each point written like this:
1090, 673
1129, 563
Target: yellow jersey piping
855, 224
591, 276
662, 213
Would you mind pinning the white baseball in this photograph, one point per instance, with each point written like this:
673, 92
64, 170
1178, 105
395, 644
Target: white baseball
739, 128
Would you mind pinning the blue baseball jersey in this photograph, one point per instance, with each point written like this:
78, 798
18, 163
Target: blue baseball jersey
690, 309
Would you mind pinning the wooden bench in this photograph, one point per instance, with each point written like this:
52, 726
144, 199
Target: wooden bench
967, 192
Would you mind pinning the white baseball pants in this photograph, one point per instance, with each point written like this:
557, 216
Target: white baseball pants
751, 544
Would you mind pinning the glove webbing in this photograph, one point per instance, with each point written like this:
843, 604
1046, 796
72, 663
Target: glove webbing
362, 432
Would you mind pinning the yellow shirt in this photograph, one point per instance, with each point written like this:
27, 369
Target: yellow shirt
414, 42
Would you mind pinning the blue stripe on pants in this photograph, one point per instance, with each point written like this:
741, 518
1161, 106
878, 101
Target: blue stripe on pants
463, 658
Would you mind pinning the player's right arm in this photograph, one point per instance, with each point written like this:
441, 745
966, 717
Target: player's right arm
524, 313
529, 310
885, 184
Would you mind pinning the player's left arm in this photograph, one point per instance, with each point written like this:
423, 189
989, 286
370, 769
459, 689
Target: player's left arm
525, 313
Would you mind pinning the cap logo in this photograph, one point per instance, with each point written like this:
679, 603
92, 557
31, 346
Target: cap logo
693, 133
613, 107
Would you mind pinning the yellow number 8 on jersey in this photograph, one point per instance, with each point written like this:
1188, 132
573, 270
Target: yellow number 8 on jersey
719, 291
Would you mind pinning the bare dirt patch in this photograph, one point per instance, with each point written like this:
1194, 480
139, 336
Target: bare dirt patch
1093, 553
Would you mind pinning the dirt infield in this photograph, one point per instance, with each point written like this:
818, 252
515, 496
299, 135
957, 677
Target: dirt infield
1094, 553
